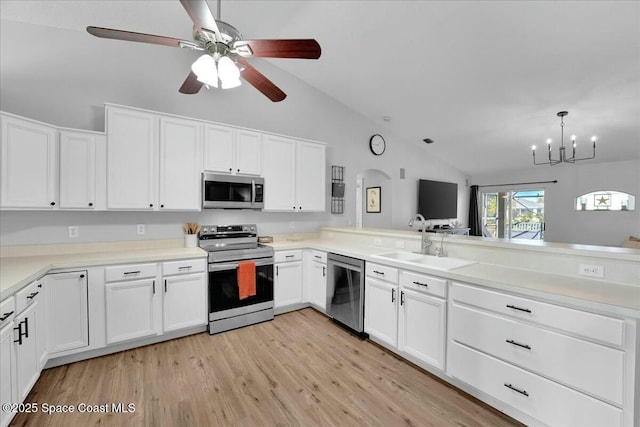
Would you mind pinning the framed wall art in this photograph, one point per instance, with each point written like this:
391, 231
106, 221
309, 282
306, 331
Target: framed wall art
373, 199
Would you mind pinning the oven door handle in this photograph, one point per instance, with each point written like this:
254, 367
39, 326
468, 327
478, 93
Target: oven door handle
234, 265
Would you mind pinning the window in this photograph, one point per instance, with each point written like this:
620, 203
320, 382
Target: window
517, 214
606, 200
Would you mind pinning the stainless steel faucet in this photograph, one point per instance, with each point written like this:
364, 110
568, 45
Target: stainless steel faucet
425, 242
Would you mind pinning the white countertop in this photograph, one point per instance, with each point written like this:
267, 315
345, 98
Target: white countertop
614, 298
18, 271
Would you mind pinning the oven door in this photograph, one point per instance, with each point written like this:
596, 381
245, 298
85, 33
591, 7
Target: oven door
223, 286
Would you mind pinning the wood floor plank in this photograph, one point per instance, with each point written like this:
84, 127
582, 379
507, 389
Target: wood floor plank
298, 370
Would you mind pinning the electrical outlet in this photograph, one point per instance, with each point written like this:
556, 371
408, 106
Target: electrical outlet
141, 229
74, 231
399, 244
377, 242
591, 270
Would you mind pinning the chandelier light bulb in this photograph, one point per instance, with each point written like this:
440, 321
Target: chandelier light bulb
593, 138
533, 147
549, 141
573, 137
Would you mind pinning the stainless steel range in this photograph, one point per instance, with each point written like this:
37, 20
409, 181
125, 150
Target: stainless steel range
228, 246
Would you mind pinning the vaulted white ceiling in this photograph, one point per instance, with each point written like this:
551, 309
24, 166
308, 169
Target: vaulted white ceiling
483, 79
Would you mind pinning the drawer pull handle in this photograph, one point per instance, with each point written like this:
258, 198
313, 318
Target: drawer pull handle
6, 316
421, 284
165, 286
317, 257
324, 271
401, 298
154, 286
378, 272
32, 295
516, 389
526, 310
26, 327
126, 273
393, 295
186, 267
289, 256
518, 344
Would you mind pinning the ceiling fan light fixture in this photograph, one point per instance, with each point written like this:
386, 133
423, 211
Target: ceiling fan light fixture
205, 69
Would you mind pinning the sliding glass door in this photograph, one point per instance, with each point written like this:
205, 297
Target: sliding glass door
517, 214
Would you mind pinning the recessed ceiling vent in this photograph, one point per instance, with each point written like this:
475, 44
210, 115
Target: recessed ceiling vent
428, 140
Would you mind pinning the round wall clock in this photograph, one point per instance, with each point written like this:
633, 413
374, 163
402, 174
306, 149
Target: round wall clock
377, 145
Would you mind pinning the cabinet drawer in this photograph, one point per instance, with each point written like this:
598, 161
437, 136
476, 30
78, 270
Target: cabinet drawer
382, 272
318, 256
287, 256
27, 295
183, 267
423, 283
130, 271
549, 402
7, 311
590, 325
587, 366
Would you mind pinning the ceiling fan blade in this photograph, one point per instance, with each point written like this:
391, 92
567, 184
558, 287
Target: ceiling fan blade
201, 15
191, 85
282, 48
109, 33
260, 82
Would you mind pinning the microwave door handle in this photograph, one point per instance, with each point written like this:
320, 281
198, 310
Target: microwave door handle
253, 192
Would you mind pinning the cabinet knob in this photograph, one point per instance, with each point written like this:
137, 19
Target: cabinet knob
300, 207
52, 203
90, 204
238, 170
230, 169
162, 206
150, 205
82, 276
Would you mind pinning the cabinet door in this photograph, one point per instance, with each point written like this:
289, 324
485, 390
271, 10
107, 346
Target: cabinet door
67, 314
318, 285
7, 371
421, 332
132, 158
180, 162
184, 302
77, 170
29, 164
381, 311
278, 169
218, 148
27, 363
248, 152
132, 310
310, 179
287, 287
40, 325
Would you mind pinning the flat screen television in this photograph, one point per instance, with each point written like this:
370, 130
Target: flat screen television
437, 199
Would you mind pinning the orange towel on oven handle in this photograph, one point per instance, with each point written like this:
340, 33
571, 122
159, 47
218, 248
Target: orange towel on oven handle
246, 279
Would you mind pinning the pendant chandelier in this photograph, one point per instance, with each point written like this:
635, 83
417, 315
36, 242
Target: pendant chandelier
563, 150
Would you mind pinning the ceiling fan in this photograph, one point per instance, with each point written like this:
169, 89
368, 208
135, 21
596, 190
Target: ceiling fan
225, 52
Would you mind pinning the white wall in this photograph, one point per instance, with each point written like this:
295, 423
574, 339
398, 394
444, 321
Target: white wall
563, 223
67, 83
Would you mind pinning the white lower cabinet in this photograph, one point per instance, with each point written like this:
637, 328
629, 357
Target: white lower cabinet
8, 388
381, 311
27, 357
421, 327
287, 286
67, 312
185, 295
132, 309
315, 268
540, 359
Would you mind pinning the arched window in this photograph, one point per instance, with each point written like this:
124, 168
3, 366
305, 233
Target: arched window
606, 200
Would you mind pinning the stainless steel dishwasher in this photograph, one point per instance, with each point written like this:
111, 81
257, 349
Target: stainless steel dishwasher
345, 291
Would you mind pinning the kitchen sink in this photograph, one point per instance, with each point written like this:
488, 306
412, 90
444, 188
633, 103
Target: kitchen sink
431, 261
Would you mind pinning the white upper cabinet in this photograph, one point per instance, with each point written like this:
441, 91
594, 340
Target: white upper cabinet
78, 170
294, 174
232, 151
29, 164
180, 164
279, 172
311, 182
132, 159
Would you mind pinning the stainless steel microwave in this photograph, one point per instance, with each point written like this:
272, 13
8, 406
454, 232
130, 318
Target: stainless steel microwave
232, 192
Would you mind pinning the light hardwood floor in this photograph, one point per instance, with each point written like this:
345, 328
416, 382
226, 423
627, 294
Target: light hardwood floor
300, 369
